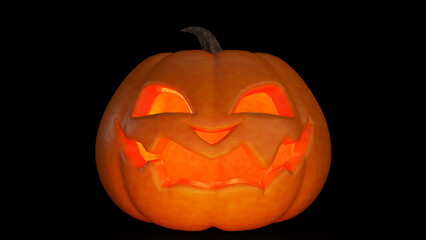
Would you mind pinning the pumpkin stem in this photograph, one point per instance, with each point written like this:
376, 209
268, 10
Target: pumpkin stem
207, 40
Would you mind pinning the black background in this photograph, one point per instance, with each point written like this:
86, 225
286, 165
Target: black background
76, 59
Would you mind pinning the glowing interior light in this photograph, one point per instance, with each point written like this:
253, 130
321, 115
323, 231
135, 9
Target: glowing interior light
155, 99
178, 165
212, 137
171, 91
270, 99
258, 103
130, 149
167, 102
146, 155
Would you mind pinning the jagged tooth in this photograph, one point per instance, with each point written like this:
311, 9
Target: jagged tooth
262, 155
145, 154
267, 158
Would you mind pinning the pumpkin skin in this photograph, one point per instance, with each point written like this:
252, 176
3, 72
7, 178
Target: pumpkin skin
271, 183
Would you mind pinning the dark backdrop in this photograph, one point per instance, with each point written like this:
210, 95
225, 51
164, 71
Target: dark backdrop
80, 58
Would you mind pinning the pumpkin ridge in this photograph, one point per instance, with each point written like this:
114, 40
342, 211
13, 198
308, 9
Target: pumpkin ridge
126, 188
296, 195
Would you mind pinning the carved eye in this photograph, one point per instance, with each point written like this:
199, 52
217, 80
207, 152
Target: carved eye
155, 99
266, 99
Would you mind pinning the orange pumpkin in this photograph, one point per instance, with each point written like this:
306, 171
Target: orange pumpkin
227, 139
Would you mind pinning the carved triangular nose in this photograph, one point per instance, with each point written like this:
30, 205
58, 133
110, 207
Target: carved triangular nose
212, 137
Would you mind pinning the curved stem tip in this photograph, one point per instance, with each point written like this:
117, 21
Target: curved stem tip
207, 40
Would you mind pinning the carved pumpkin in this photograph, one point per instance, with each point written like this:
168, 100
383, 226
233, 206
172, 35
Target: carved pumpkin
227, 139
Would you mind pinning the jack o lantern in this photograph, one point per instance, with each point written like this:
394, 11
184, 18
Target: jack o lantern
209, 138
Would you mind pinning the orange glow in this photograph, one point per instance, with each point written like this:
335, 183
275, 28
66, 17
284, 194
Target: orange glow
257, 102
297, 153
269, 99
147, 156
177, 165
180, 163
212, 137
292, 155
130, 149
155, 99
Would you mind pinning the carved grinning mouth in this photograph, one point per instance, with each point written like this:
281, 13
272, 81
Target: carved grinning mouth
176, 165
